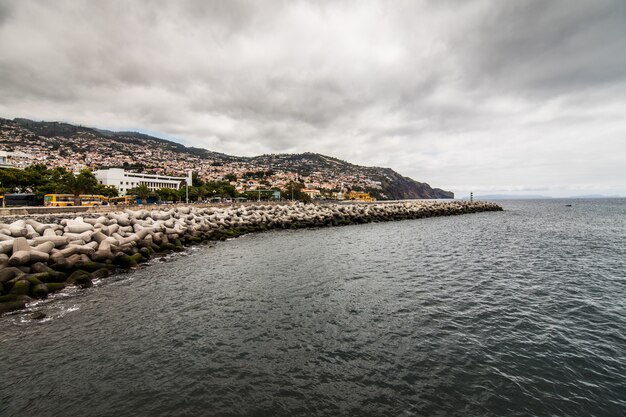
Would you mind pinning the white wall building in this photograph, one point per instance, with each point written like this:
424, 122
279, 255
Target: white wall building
15, 159
125, 180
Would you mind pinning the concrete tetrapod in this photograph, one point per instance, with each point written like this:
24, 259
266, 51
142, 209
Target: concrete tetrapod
38, 258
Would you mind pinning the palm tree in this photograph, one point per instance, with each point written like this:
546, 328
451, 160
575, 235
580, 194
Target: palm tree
83, 183
142, 191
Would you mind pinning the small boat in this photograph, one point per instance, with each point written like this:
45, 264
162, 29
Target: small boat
568, 205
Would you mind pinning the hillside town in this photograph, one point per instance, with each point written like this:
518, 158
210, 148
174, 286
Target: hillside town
87, 150
75, 148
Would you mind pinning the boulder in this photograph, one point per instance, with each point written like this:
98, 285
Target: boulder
91, 266
55, 286
78, 227
20, 257
9, 273
38, 315
80, 278
58, 241
11, 306
20, 287
100, 273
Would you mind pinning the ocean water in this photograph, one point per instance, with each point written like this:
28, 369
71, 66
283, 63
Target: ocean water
515, 313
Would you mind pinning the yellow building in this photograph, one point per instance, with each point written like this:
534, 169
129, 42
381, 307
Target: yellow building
353, 195
314, 194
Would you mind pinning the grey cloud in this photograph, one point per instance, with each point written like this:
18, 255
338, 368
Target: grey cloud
439, 90
549, 47
5, 11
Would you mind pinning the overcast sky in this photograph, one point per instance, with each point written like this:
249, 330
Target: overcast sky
515, 97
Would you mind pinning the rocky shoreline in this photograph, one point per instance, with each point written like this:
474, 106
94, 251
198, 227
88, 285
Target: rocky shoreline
40, 257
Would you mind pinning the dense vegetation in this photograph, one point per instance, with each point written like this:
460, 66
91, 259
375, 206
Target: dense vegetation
40, 180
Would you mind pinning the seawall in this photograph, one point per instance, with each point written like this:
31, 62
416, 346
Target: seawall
40, 257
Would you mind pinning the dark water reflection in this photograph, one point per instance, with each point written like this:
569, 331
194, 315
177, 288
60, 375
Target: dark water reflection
514, 313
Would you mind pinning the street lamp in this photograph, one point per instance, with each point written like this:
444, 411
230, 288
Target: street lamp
187, 181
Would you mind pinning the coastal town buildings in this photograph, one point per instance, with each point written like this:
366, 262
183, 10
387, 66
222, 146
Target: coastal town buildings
125, 180
15, 159
353, 195
87, 148
313, 193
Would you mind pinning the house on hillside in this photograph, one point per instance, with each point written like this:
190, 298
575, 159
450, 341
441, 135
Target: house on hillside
314, 194
15, 159
354, 195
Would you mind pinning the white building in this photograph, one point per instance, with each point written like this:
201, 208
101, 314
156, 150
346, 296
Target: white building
313, 193
124, 180
15, 159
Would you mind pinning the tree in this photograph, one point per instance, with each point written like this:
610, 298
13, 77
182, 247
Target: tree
106, 190
52, 181
293, 190
196, 181
220, 189
199, 193
10, 179
142, 191
22, 180
83, 183
34, 175
167, 194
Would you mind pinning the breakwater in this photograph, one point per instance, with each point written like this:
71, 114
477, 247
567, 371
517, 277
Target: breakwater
38, 258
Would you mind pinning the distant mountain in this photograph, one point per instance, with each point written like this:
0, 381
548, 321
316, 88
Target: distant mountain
64, 144
392, 185
68, 131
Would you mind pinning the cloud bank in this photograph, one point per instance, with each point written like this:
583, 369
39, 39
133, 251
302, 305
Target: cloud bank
488, 96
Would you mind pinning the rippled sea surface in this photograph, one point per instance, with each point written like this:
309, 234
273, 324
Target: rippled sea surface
516, 313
